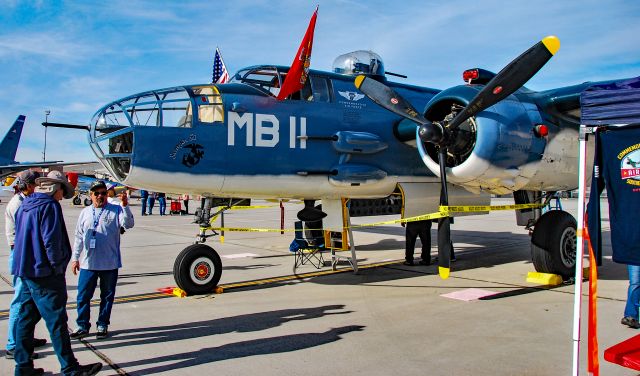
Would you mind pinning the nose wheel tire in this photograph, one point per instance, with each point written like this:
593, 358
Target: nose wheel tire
197, 269
77, 200
87, 201
553, 244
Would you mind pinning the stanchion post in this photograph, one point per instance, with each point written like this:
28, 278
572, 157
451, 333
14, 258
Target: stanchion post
577, 297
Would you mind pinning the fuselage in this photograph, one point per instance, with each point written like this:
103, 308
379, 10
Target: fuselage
238, 140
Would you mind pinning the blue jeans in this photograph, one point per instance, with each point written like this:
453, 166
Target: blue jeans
144, 205
87, 282
633, 294
14, 307
47, 298
150, 202
162, 203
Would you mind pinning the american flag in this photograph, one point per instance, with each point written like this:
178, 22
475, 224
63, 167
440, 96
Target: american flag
220, 74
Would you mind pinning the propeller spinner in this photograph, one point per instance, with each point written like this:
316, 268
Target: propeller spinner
505, 83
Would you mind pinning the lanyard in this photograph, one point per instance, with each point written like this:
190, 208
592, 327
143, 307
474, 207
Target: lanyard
96, 220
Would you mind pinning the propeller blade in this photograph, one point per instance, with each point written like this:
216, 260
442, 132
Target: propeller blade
510, 78
444, 224
389, 99
392, 101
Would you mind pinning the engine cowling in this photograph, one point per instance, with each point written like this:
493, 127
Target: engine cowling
497, 151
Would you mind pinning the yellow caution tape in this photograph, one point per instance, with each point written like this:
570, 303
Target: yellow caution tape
444, 211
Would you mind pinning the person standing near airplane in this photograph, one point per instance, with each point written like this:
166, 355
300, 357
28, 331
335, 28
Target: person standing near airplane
150, 202
162, 203
185, 201
41, 255
96, 255
632, 307
144, 195
111, 194
413, 230
25, 184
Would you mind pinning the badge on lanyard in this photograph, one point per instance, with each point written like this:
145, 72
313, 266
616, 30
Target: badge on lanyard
92, 241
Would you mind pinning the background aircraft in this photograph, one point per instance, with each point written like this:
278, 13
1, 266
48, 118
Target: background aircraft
328, 141
9, 147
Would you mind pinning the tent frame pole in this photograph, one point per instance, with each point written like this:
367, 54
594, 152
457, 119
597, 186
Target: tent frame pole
582, 183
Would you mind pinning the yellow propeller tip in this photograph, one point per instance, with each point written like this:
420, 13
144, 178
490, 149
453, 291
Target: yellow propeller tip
443, 272
552, 43
358, 81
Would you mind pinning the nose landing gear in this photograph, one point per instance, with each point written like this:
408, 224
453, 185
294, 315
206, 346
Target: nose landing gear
198, 268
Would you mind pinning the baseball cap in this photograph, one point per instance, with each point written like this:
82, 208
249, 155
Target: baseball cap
97, 184
26, 177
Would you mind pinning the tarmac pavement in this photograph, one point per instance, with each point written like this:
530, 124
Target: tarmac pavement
390, 319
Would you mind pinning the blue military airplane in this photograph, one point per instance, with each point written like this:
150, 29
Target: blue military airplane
353, 134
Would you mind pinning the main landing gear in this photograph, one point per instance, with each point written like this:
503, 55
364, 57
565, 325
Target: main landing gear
198, 268
553, 244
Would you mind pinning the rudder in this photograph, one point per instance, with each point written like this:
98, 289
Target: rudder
9, 144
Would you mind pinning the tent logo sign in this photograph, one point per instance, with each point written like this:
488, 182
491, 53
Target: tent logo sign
630, 165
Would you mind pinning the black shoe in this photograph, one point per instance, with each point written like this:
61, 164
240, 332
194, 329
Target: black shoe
39, 342
79, 333
33, 372
101, 332
425, 262
408, 263
87, 369
10, 354
630, 322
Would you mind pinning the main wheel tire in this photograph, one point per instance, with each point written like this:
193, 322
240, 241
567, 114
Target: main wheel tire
197, 269
553, 244
87, 201
77, 200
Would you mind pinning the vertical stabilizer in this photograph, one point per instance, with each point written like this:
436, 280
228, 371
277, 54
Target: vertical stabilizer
9, 144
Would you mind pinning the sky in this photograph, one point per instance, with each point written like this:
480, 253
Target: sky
73, 57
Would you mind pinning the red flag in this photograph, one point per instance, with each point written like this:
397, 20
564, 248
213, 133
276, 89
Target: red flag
299, 70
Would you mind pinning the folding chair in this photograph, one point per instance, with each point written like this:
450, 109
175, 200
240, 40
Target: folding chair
310, 246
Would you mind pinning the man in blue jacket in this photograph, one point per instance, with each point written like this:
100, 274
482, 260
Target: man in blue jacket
41, 254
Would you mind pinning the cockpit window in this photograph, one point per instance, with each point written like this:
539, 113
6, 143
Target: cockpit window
210, 109
266, 79
270, 79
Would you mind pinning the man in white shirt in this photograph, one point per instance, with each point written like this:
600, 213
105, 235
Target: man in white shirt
96, 255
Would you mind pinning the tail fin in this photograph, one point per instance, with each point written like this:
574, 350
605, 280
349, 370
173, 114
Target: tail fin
9, 144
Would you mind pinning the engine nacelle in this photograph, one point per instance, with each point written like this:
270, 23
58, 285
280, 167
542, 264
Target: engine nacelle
497, 151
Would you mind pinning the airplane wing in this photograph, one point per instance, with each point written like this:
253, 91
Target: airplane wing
7, 170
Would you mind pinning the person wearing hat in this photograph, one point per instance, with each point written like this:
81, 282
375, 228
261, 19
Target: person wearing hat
41, 254
25, 185
111, 194
96, 255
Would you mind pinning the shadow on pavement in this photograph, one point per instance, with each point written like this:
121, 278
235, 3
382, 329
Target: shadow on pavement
262, 346
242, 323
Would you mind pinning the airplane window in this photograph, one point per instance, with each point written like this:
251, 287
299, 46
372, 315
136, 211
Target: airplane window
264, 78
320, 88
113, 119
174, 114
210, 108
146, 114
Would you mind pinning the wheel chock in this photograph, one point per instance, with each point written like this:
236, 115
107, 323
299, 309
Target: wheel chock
166, 290
218, 290
544, 278
625, 353
173, 291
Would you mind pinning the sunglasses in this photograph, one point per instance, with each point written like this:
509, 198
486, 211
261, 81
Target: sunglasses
101, 193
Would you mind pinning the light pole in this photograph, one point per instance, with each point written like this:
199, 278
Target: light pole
46, 120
